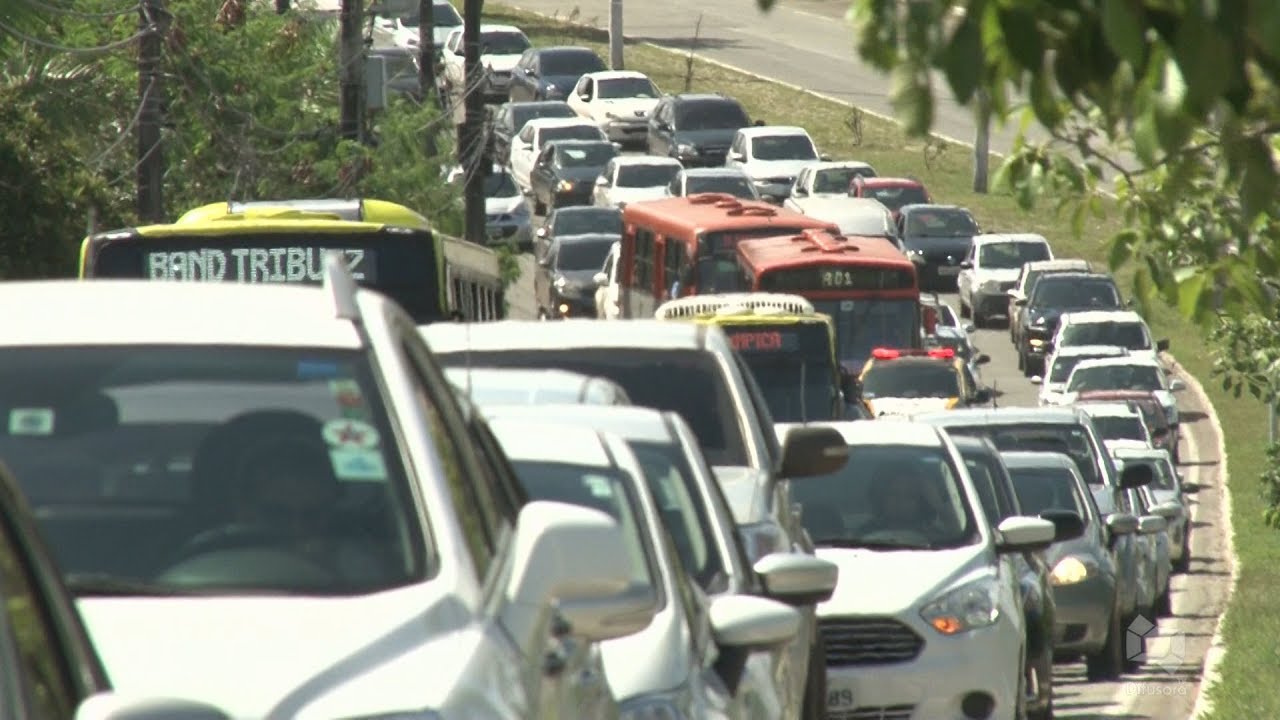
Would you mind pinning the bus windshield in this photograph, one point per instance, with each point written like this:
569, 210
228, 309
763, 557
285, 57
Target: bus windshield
717, 264
403, 266
862, 325
792, 365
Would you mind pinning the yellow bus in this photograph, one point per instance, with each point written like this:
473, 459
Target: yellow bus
390, 249
789, 347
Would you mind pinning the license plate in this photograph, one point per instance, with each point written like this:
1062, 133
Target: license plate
840, 699
949, 270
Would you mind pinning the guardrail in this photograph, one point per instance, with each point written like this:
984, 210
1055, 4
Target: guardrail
474, 280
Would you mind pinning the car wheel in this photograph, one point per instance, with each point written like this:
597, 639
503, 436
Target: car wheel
814, 704
1028, 366
1108, 662
1133, 662
1183, 563
979, 320
542, 315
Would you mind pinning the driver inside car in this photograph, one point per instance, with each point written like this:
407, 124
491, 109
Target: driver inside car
901, 502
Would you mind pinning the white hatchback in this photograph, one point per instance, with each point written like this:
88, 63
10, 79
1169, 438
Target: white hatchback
1123, 328
634, 178
927, 618
1126, 373
991, 270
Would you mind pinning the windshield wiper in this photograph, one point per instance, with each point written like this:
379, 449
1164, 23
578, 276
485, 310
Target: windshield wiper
102, 584
850, 544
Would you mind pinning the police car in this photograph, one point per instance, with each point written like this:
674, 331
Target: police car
901, 382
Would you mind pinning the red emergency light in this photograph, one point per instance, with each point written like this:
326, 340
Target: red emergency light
893, 354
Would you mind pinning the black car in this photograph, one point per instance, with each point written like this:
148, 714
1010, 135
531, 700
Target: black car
44, 645
695, 129
510, 118
576, 220
550, 73
564, 283
937, 238
999, 502
1050, 297
565, 173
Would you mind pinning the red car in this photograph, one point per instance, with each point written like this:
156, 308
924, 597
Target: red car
892, 192
1152, 414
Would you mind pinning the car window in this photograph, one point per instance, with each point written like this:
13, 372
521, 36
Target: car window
646, 175
571, 63
1116, 377
1042, 489
710, 115
980, 472
1050, 291
760, 406
783, 147
1072, 440
1120, 428
526, 135
1008, 256
1131, 335
896, 379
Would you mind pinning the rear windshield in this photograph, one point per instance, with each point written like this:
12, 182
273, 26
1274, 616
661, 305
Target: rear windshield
1070, 440
646, 176
586, 220
522, 115
688, 382
739, 187
1062, 292
576, 62
710, 115
583, 253
401, 266
792, 364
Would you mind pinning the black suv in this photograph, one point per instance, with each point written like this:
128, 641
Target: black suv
564, 282
695, 129
937, 238
1050, 297
549, 73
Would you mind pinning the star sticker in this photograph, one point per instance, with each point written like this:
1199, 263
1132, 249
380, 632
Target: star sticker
349, 434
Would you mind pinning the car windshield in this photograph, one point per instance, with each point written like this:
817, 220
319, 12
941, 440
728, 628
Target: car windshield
684, 514
1012, 255
908, 378
645, 175
594, 155
626, 87
1130, 335
1063, 366
503, 43
894, 497
894, 197
725, 115
1070, 440
1115, 377
837, 180
500, 185
583, 253
570, 63
862, 325
1041, 489
941, 224
1065, 292
164, 469
735, 185
783, 147
442, 15
603, 489
1112, 427
586, 220
690, 383
520, 116
571, 132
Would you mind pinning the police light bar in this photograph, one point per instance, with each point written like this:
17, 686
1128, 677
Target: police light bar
893, 353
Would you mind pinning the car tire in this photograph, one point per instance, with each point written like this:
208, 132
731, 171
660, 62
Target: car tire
814, 704
1028, 367
979, 320
1134, 664
1108, 662
1183, 563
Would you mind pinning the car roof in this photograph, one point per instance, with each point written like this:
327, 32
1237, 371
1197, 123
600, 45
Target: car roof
150, 312
646, 160
1035, 458
615, 74
882, 432
538, 103
563, 49
550, 122
712, 172
632, 423
485, 27
592, 237
1001, 238
1143, 453
838, 165
1108, 409
768, 130
584, 209
576, 143
572, 333
968, 417
1101, 316
703, 97
532, 379
1096, 350
845, 207
913, 360
543, 441
1143, 360
886, 181
1072, 263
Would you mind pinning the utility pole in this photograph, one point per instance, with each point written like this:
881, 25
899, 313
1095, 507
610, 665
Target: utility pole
427, 65
282, 6
471, 150
615, 34
981, 140
153, 23
351, 69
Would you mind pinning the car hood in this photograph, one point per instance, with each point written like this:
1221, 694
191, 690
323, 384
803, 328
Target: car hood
503, 206
562, 83
630, 194
579, 280
775, 168
652, 660
745, 490
715, 136
580, 174
1002, 275
304, 657
905, 407
629, 108
1051, 393
932, 572
500, 63
955, 246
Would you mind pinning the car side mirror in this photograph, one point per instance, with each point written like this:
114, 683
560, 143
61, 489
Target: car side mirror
824, 157
1024, 534
970, 328
810, 451
797, 578
1136, 475
1176, 385
982, 359
742, 625
799, 192
1036, 380
1122, 524
1162, 345
541, 232
115, 706
1168, 510
1151, 524
734, 156
1013, 294
577, 558
1020, 302
531, 73
1067, 525
585, 96
1189, 487
966, 265
600, 279
602, 181
544, 261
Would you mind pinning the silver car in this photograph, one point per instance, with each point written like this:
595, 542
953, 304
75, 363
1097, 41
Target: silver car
1154, 529
1170, 495
1090, 616
669, 668
494, 386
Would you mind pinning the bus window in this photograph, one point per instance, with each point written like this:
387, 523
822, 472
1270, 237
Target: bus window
645, 251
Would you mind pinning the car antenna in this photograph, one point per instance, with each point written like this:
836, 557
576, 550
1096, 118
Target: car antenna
995, 393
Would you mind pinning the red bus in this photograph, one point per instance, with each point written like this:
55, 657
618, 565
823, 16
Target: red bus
687, 244
867, 286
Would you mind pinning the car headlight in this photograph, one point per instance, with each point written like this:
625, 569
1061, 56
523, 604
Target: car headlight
684, 149
1039, 321
1069, 571
655, 707
561, 282
762, 539
1036, 342
564, 186
551, 87
976, 604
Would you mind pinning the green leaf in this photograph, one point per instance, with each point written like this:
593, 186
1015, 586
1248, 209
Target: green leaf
1146, 142
1021, 37
1044, 100
1260, 183
1191, 295
1121, 248
1007, 174
1203, 56
962, 59
1124, 27
912, 99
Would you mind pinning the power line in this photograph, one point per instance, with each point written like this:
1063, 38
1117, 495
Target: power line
74, 50
125, 133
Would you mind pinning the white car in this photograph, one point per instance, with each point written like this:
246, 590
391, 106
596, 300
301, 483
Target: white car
500, 49
528, 143
991, 270
1058, 367
772, 155
397, 24
1124, 328
927, 617
1127, 373
1118, 422
863, 217
619, 101
730, 181
825, 180
249, 528
634, 178
608, 290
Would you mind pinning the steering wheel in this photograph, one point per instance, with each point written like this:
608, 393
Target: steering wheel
244, 554
898, 536
233, 536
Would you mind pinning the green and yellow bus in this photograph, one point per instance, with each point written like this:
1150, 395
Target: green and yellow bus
390, 249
